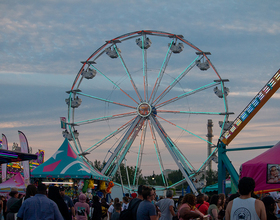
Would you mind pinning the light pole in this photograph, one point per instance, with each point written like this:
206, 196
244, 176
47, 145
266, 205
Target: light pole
153, 178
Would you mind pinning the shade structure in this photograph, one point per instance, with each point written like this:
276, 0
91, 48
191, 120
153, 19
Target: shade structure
15, 182
214, 187
264, 169
66, 163
8, 156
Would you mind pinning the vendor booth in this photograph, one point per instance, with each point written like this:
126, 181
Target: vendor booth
15, 182
68, 168
66, 163
264, 169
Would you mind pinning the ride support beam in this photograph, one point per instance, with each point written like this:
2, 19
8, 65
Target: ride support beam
175, 158
225, 164
249, 148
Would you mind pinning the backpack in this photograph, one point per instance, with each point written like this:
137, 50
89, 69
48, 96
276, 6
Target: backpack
127, 214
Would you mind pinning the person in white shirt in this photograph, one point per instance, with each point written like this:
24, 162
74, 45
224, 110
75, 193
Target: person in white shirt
245, 206
125, 203
111, 208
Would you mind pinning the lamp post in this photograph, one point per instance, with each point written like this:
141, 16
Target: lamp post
153, 177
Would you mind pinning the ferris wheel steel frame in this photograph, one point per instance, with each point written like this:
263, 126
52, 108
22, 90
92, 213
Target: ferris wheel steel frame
145, 114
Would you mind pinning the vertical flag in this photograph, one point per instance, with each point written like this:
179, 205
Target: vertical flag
4, 165
24, 149
63, 122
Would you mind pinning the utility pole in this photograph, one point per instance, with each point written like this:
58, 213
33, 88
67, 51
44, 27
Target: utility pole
210, 137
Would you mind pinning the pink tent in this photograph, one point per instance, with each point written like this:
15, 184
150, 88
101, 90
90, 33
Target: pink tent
15, 182
265, 170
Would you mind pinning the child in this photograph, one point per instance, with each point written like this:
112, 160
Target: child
116, 214
125, 203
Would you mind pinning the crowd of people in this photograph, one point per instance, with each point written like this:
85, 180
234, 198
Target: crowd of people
52, 203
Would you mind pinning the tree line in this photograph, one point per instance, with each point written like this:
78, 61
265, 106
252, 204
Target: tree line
128, 174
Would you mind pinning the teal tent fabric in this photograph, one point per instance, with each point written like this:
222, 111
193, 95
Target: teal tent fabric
214, 187
66, 163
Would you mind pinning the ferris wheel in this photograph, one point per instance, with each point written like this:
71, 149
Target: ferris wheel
145, 89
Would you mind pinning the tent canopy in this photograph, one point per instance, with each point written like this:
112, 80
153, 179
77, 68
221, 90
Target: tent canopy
259, 168
16, 181
66, 163
214, 187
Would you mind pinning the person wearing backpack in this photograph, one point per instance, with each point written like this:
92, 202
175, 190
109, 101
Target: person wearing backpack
131, 212
200, 205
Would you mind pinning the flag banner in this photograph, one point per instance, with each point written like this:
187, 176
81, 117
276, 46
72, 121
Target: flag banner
63, 122
24, 149
4, 165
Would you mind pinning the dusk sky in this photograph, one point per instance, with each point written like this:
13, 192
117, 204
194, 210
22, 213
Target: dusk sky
43, 42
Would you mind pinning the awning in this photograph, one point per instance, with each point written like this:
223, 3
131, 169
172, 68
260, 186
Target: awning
7, 156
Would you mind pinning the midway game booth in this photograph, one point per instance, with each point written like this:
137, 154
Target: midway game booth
75, 173
15, 182
265, 170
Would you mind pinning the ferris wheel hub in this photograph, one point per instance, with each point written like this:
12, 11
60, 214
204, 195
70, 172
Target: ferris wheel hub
144, 109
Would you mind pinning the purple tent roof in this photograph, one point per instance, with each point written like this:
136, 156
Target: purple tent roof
259, 169
66, 163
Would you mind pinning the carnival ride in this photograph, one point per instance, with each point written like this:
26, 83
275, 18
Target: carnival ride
148, 79
237, 125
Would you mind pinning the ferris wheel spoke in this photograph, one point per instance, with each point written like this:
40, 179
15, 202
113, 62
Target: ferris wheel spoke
164, 179
185, 130
161, 72
121, 148
140, 154
108, 137
121, 155
145, 76
196, 113
208, 160
178, 79
113, 83
104, 100
187, 94
105, 118
128, 74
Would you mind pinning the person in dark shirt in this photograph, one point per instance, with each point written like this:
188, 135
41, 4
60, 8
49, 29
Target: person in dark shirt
136, 200
116, 214
104, 208
54, 195
270, 206
97, 211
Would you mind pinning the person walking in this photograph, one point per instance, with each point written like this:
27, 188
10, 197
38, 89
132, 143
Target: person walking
166, 206
82, 208
39, 207
213, 208
134, 203
146, 209
68, 201
55, 196
200, 205
104, 208
11, 201
97, 210
244, 206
